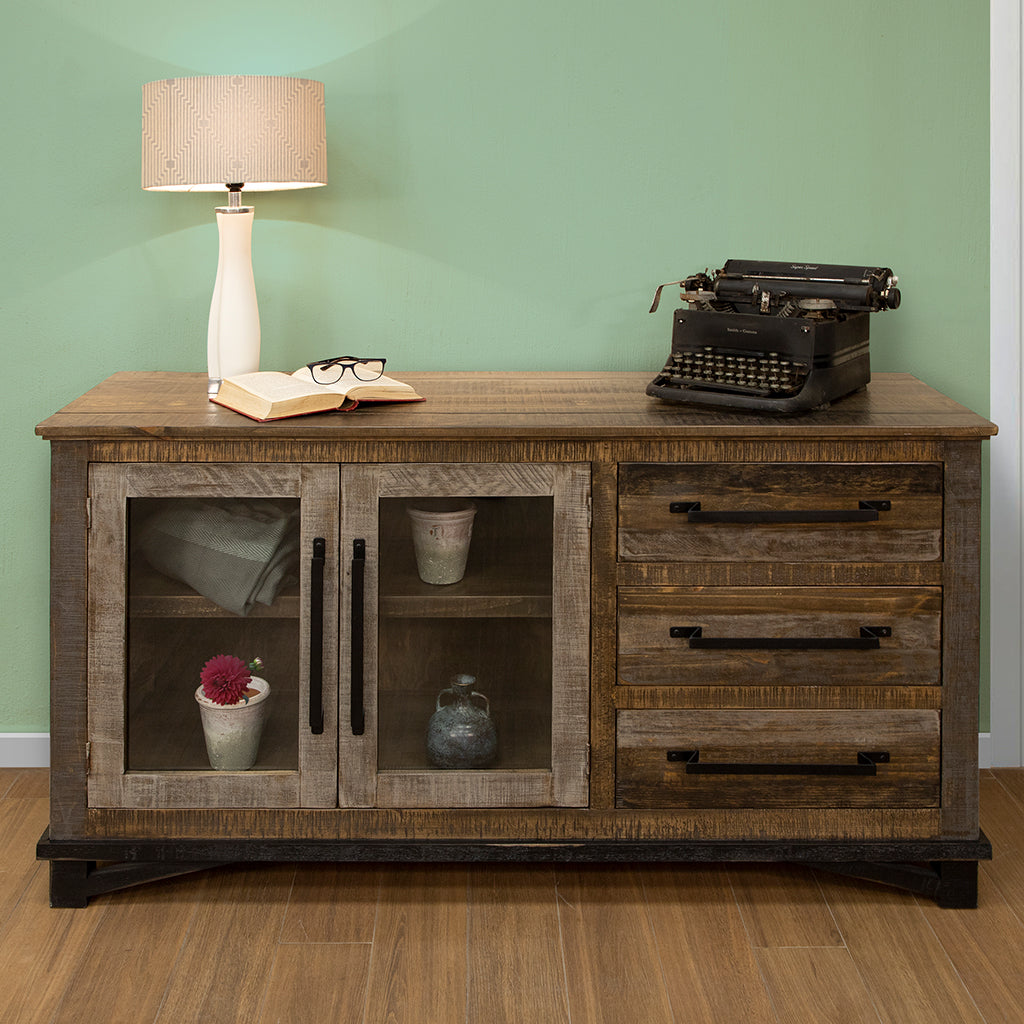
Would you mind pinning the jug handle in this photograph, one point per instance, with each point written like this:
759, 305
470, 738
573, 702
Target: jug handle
473, 693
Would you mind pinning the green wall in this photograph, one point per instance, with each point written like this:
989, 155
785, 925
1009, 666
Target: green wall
508, 184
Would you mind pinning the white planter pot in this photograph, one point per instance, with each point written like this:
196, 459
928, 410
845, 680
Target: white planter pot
441, 532
233, 731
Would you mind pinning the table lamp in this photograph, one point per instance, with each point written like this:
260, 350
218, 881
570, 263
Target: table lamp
215, 132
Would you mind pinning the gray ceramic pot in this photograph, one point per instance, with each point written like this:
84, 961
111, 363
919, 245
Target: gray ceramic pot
461, 733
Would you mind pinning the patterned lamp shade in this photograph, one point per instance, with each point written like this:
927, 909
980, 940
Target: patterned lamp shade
202, 134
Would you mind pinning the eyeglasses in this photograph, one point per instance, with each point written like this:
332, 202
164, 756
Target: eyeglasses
330, 371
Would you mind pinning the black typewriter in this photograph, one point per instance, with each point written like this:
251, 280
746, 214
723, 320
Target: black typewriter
772, 336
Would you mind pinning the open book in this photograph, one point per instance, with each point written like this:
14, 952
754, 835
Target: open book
270, 395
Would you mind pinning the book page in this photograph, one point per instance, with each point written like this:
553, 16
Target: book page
274, 386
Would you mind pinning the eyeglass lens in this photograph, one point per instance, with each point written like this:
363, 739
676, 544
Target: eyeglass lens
330, 371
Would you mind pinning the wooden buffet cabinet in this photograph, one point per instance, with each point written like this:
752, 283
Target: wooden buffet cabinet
703, 635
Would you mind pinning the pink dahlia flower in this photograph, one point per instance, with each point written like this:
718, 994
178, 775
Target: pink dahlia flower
225, 679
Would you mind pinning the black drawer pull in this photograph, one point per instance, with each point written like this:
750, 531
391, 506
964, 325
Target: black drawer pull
867, 641
357, 712
866, 765
316, 637
865, 512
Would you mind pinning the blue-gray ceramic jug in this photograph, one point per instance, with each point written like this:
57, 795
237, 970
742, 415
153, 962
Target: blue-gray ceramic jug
461, 732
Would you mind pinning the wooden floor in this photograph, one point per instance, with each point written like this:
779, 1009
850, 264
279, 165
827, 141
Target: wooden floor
529, 944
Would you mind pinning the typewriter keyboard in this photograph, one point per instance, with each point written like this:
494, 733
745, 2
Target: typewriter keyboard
756, 373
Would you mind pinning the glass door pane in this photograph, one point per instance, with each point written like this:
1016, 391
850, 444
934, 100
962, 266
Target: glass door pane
210, 577
493, 624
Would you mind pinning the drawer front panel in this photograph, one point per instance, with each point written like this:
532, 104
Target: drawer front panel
709, 758
790, 512
779, 636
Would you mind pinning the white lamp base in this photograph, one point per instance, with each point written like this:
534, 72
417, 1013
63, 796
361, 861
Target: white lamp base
233, 336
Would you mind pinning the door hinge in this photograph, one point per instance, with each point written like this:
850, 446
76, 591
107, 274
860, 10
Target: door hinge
590, 512
88, 513
88, 757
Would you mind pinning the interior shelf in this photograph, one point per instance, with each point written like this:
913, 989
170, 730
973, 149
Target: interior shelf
508, 572
479, 594
524, 732
153, 595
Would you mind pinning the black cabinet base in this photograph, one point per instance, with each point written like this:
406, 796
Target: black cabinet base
943, 870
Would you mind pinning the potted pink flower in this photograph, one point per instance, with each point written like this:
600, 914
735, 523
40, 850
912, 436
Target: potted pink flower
233, 704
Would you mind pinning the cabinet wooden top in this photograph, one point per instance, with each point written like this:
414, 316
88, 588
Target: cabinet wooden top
506, 405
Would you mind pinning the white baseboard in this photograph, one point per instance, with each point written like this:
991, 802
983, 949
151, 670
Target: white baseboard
985, 750
24, 750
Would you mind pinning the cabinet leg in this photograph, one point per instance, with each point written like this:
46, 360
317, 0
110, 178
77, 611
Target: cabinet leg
74, 882
958, 884
952, 884
69, 882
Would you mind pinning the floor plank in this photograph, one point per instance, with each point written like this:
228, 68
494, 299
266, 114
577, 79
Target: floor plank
39, 949
333, 903
31, 783
7, 777
120, 977
314, 983
22, 822
782, 905
516, 971
613, 972
1012, 780
904, 966
418, 965
986, 946
224, 963
1002, 819
816, 986
711, 973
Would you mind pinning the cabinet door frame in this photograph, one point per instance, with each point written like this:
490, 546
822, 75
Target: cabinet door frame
566, 783
110, 784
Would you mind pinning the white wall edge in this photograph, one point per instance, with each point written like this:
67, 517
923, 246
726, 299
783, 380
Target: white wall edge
1005, 522
24, 750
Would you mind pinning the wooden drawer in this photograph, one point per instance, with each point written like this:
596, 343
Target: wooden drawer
790, 512
713, 758
779, 636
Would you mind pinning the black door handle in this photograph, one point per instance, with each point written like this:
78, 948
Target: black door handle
357, 712
316, 637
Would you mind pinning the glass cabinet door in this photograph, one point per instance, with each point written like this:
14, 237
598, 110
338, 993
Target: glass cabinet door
187, 563
465, 612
